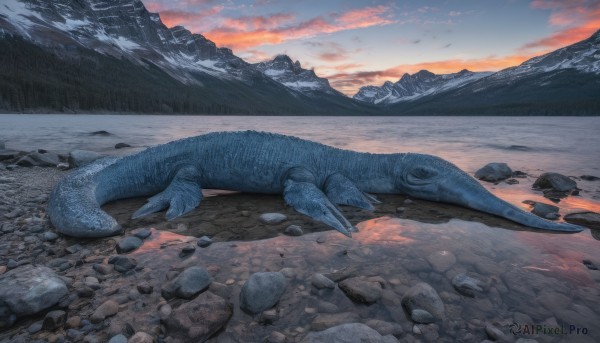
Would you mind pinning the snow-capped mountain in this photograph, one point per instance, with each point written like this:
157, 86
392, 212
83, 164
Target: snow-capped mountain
418, 85
118, 28
124, 32
292, 75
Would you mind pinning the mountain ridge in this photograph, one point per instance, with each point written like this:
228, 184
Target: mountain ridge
122, 35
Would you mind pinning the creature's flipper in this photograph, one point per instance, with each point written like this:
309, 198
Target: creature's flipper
181, 196
304, 196
340, 190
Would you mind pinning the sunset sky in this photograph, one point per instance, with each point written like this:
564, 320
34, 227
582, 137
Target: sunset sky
368, 42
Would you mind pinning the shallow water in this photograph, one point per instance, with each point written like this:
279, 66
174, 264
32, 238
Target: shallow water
532, 278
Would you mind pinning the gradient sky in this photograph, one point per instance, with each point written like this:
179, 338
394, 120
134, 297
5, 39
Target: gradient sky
368, 42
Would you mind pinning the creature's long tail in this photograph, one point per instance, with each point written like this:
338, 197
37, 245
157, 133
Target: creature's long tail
74, 205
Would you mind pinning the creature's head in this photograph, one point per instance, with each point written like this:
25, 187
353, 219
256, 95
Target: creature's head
432, 178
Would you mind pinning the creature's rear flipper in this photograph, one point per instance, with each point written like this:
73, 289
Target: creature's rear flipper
181, 196
305, 197
340, 190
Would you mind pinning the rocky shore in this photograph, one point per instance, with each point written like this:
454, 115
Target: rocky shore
246, 268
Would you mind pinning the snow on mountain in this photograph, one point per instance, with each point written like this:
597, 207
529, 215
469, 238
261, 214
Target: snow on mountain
122, 28
418, 85
291, 74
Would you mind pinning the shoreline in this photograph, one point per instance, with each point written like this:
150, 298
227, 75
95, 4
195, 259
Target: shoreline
243, 245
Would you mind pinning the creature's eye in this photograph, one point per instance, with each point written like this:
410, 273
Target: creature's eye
423, 173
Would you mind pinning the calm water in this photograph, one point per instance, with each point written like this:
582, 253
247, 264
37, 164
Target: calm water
531, 278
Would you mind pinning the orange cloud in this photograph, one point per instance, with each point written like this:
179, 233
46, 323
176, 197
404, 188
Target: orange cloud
349, 82
577, 19
249, 32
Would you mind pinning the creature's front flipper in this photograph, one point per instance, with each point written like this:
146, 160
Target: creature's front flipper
340, 190
181, 196
301, 192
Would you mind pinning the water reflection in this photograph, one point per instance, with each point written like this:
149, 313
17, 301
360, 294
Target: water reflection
539, 276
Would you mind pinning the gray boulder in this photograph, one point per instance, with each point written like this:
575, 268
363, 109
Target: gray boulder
28, 290
360, 290
197, 320
555, 182
188, 284
79, 158
348, 333
262, 291
493, 172
37, 159
424, 297
587, 219
545, 210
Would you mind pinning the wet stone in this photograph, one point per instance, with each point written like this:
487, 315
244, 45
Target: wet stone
73, 249
493, 172
272, 218
128, 244
361, 290
144, 288
544, 210
204, 241
321, 281
186, 285
122, 145
142, 233
28, 290
587, 219
422, 296
49, 236
441, 260
555, 182
422, 316
197, 320
293, 230
589, 177
262, 291
123, 264
102, 268
187, 251
35, 327
385, 328
54, 320
466, 285
107, 309
79, 158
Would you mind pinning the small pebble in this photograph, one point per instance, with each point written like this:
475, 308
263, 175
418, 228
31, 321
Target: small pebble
204, 241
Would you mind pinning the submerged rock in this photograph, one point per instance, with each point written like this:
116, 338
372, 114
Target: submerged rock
107, 309
28, 290
545, 210
262, 291
423, 296
589, 177
321, 281
122, 145
555, 182
587, 219
348, 333
467, 285
189, 283
197, 320
441, 260
361, 290
493, 172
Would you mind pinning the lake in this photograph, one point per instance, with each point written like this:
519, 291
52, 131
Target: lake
531, 277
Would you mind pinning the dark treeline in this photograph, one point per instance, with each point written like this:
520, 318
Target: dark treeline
34, 79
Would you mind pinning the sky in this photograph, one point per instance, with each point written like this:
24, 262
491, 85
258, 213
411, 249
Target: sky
367, 42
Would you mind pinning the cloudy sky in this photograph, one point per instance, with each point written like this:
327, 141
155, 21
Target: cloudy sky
368, 42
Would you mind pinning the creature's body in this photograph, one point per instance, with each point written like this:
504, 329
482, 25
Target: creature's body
312, 177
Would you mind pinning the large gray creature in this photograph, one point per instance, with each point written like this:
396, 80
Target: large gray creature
312, 177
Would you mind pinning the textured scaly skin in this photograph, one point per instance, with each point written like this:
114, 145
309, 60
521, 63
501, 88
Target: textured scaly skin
261, 163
